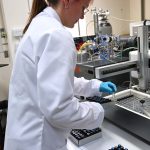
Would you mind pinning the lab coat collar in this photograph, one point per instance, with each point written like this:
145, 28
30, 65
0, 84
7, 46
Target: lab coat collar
52, 13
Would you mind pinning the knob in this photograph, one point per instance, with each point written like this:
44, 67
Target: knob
142, 102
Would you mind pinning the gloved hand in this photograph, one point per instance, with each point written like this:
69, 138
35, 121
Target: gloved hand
107, 87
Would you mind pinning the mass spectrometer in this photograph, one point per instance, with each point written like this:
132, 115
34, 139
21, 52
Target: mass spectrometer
130, 109
103, 58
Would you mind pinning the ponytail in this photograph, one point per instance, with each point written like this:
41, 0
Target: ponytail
37, 7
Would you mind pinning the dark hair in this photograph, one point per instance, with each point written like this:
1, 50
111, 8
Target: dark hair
37, 7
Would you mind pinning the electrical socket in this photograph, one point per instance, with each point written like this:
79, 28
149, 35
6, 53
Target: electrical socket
17, 32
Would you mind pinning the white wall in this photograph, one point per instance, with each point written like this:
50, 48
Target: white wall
4, 71
4, 81
135, 10
117, 8
1, 22
15, 14
127, 10
147, 9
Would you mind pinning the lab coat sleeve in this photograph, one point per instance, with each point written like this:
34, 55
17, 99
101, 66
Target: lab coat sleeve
87, 88
55, 86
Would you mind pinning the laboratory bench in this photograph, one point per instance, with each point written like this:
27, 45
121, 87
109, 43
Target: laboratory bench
111, 137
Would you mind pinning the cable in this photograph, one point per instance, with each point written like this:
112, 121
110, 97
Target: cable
121, 51
84, 45
122, 19
87, 26
130, 48
95, 54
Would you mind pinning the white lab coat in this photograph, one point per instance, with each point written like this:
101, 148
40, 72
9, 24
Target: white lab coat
42, 105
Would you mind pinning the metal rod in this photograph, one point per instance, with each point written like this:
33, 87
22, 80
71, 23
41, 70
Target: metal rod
79, 28
142, 9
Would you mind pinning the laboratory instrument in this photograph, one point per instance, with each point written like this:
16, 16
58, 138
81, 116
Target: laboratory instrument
129, 108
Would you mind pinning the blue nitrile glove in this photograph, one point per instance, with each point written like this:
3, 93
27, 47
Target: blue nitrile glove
107, 87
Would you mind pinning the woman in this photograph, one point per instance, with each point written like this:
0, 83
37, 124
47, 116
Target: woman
42, 105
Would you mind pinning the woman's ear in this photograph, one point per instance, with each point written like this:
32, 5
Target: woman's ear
66, 3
